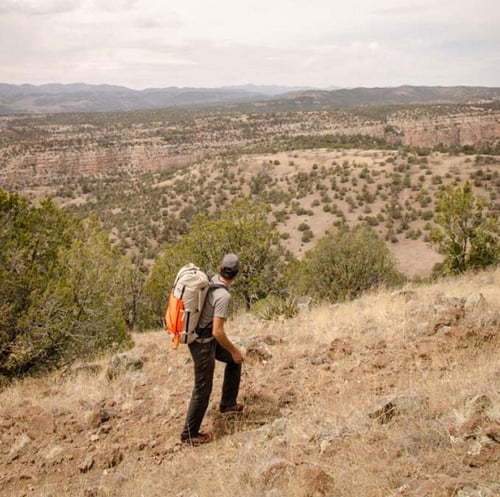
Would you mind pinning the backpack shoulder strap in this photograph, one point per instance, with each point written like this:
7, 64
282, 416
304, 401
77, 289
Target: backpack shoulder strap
213, 286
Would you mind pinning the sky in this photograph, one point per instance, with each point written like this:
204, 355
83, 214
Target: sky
212, 43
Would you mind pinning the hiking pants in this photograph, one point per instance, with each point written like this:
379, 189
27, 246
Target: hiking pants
204, 356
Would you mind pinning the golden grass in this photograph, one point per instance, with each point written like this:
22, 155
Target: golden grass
309, 428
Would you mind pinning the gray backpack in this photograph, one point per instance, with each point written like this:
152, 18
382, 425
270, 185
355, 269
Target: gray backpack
186, 302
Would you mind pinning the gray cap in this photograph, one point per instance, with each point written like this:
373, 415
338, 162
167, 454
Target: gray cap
230, 266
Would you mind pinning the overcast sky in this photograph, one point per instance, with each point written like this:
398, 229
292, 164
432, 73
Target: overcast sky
211, 43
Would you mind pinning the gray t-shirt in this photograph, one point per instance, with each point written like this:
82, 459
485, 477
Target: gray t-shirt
216, 305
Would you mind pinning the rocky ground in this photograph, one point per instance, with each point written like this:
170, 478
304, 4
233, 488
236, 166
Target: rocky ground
394, 394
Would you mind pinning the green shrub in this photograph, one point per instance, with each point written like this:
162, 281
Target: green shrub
63, 293
427, 215
242, 229
307, 236
273, 308
343, 265
468, 232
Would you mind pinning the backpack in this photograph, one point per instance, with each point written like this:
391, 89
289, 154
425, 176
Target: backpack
186, 302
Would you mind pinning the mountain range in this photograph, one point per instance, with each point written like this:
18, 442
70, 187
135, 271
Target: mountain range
81, 97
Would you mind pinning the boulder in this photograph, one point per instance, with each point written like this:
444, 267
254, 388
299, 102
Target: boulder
259, 352
474, 302
20, 444
396, 405
123, 363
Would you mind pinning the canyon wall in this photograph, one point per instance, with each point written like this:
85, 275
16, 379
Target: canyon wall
41, 154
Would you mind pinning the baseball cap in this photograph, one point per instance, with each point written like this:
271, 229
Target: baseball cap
230, 266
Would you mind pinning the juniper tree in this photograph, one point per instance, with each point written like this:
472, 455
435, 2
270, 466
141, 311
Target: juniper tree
62, 294
468, 231
243, 229
344, 264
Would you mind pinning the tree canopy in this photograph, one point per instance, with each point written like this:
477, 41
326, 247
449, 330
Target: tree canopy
468, 231
243, 229
344, 264
61, 295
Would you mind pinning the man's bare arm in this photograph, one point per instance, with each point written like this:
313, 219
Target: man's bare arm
222, 339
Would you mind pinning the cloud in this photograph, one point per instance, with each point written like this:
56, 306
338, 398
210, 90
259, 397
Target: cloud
38, 7
401, 9
142, 43
113, 5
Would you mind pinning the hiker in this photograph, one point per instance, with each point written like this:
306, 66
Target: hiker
213, 344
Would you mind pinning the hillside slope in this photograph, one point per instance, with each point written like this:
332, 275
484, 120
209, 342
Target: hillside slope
394, 394
313, 169
80, 97
55, 98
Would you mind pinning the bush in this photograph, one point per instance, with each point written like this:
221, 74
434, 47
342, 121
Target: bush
427, 215
468, 232
345, 264
273, 308
62, 295
307, 236
242, 229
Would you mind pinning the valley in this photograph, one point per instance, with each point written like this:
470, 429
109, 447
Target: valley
145, 174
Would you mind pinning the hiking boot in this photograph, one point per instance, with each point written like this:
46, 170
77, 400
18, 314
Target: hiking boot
237, 408
200, 439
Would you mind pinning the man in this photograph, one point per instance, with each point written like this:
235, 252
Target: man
212, 343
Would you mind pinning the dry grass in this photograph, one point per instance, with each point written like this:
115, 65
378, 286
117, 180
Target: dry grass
317, 421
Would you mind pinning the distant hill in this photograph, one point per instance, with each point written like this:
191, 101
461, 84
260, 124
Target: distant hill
80, 97
271, 90
404, 95
54, 98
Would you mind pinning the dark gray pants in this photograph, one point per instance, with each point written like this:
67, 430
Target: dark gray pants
204, 356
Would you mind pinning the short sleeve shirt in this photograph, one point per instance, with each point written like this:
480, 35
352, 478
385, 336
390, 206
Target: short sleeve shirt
217, 304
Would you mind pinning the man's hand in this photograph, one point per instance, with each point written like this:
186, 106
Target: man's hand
237, 356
